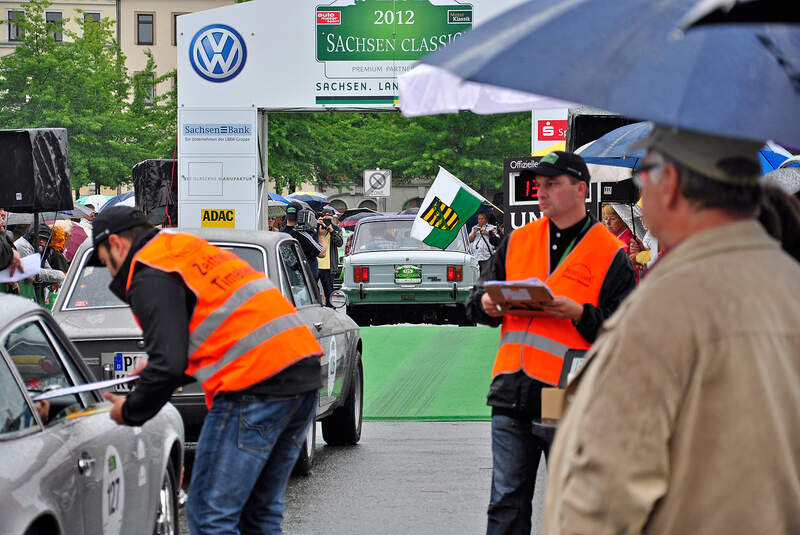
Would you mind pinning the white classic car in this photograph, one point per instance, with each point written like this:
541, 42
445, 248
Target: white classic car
390, 277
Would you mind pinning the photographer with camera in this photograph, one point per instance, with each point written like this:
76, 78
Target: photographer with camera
302, 224
331, 237
487, 239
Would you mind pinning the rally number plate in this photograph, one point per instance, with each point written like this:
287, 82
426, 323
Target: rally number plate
407, 274
121, 365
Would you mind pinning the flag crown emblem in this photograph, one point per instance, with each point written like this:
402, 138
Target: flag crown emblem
439, 215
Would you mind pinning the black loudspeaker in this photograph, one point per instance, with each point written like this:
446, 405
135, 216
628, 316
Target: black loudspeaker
34, 173
155, 184
624, 191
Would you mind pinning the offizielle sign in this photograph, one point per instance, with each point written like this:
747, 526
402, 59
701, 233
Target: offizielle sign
521, 193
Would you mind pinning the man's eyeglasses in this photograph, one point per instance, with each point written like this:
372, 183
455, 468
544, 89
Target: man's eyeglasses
641, 173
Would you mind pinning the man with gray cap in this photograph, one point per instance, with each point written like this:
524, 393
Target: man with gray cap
684, 416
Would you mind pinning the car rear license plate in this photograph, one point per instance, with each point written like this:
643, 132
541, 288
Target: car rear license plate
407, 274
121, 365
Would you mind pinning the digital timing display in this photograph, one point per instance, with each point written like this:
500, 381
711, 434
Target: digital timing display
526, 188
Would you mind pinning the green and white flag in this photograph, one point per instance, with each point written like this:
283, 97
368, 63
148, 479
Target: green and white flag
447, 206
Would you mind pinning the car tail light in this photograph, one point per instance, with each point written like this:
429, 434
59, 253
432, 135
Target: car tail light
361, 274
348, 244
455, 273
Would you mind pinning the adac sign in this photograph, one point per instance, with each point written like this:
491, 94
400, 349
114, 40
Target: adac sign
217, 218
217, 53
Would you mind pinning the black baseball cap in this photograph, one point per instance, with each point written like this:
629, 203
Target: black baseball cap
562, 163
113, 221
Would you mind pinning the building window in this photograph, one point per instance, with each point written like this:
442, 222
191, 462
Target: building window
416, 202
14, 33
93, 16
368, 203
148, 85
145, 28
175, 27
339, 204
55, 22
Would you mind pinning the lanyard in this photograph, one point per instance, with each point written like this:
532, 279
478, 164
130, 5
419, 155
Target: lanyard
574, 239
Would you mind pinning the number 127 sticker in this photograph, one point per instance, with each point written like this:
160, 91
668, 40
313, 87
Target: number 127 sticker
113, 492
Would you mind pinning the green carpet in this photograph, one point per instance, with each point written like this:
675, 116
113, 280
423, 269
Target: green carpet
427, 372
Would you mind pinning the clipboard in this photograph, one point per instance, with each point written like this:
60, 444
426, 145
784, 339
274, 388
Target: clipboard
522, 297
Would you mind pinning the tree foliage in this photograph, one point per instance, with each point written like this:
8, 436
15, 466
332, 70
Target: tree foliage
335, 148
81, 84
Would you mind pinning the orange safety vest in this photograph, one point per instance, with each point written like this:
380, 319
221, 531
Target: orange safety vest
243, 330
537, 345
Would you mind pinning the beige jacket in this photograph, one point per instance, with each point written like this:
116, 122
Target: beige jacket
686, 416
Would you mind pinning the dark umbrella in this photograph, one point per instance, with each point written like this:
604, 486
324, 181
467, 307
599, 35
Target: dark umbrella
612, 148
275, 197
350, 221
124, 199
315, 200
627, 57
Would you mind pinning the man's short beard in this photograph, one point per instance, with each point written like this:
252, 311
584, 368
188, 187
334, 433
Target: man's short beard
113, 264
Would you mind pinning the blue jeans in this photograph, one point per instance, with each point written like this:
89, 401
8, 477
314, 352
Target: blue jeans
245, 454
515, 461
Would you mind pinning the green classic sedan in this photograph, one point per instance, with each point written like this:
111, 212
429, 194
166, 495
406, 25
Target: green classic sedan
390, 277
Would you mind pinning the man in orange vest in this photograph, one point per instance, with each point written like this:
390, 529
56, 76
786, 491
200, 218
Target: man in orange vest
589, 274
207, 315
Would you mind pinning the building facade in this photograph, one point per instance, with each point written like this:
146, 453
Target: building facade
71, 13
152, 25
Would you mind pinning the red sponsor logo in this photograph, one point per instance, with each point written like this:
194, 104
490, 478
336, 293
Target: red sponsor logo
331, 17
552, 130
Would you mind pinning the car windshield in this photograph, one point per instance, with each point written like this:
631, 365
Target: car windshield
395, 235
90, 289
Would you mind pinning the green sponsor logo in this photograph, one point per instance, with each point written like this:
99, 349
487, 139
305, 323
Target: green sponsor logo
459, 16
550, 158
112, 463
377, 30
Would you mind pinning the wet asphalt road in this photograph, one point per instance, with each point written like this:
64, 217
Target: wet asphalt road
403, 478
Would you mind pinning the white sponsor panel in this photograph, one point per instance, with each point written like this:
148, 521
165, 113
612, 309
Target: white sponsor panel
217, 168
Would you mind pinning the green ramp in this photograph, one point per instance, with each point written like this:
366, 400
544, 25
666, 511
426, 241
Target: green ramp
427, 372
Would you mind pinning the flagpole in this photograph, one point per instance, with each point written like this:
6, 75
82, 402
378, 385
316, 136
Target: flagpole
493, 206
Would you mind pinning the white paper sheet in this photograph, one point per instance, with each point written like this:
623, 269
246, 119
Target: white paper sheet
88, 387
31, 264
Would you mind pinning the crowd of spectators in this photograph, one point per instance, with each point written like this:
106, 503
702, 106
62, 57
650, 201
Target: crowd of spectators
55, 241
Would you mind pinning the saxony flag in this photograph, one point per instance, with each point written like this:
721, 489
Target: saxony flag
447, 206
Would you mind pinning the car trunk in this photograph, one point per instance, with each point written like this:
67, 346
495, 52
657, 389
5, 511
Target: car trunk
408, 268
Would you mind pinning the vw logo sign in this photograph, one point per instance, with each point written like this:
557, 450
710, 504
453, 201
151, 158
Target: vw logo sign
217, 53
